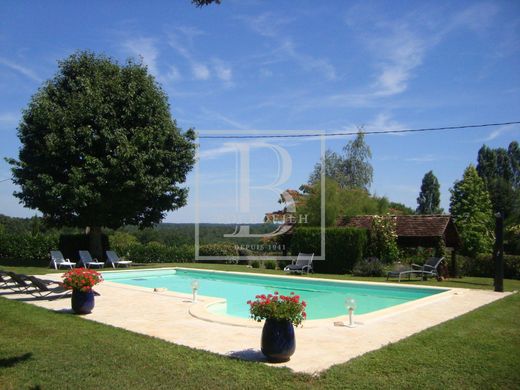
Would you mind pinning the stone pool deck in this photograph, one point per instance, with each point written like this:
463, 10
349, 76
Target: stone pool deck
319, 344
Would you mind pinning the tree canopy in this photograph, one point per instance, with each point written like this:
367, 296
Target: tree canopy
339, 202
100, 148
429, 199
500, 170
351, 170
470, 206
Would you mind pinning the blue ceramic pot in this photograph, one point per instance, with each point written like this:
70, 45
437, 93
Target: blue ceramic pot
278, 342
82, 302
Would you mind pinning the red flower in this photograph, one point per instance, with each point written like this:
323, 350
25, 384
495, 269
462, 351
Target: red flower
281, 307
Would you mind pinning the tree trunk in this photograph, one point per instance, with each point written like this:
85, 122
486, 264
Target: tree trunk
95, 243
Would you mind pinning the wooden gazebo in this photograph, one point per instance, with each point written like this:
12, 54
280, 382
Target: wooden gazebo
418, 230
415, 230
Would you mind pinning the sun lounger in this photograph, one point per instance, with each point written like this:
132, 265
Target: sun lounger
87, 261
303, 264
429, 268
114, 260
58, 261
399, 271
45, 288
5, 280
19, 282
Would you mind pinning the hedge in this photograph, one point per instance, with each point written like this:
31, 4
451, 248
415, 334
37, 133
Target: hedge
484, 266
71, 244
344, 247
223, 250
155, 252
27, 249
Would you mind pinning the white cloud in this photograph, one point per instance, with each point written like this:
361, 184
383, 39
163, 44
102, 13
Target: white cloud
402, 52
225, 119
29, 73
268, 26
173, 73
265, 24
222, 70
9, 118
200, 71
398, 47
147, 50
384, 122
229, 148
307, 62
190, 32
477, 17
421, 159
499, 131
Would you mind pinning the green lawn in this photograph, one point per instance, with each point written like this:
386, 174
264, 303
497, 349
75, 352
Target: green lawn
48, 350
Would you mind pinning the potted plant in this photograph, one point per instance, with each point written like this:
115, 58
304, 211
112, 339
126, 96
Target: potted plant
81, 281
281, 314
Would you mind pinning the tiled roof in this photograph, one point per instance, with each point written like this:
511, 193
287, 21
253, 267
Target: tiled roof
407, 225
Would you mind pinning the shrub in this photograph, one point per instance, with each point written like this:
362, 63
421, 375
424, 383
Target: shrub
270, 264
255, 264
120, 241
27, 249
383, 238
369, 267
344, 247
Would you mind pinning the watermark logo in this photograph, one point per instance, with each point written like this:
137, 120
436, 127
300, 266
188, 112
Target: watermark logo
257, 170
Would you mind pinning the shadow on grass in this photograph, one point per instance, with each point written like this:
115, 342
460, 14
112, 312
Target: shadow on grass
13, 361
472, 283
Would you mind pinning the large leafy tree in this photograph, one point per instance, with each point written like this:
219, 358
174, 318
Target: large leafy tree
429, 199
470, 206
514, 158
351, 170
499, 170
358, 170
100, 148
339, 202
333, 166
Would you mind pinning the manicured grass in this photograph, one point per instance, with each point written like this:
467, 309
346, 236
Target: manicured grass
49, 350
465, 282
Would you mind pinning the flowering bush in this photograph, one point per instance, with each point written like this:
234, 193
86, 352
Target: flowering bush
278, 307
82, 279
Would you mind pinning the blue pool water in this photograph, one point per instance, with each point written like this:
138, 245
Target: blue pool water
324, 299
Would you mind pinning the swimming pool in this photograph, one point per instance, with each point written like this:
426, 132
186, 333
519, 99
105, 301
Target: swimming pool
325, 299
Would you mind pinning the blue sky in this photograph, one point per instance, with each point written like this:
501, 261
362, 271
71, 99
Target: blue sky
268, 65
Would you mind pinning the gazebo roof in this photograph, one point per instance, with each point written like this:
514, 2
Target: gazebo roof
410, 229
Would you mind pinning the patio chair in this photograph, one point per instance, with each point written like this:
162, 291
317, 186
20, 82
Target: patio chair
303, 264
57, 261
429, 268
87, 261
114, 260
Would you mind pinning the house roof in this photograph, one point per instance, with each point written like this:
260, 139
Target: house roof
417, 226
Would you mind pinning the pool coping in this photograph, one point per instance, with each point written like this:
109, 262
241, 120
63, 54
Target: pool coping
201, 308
